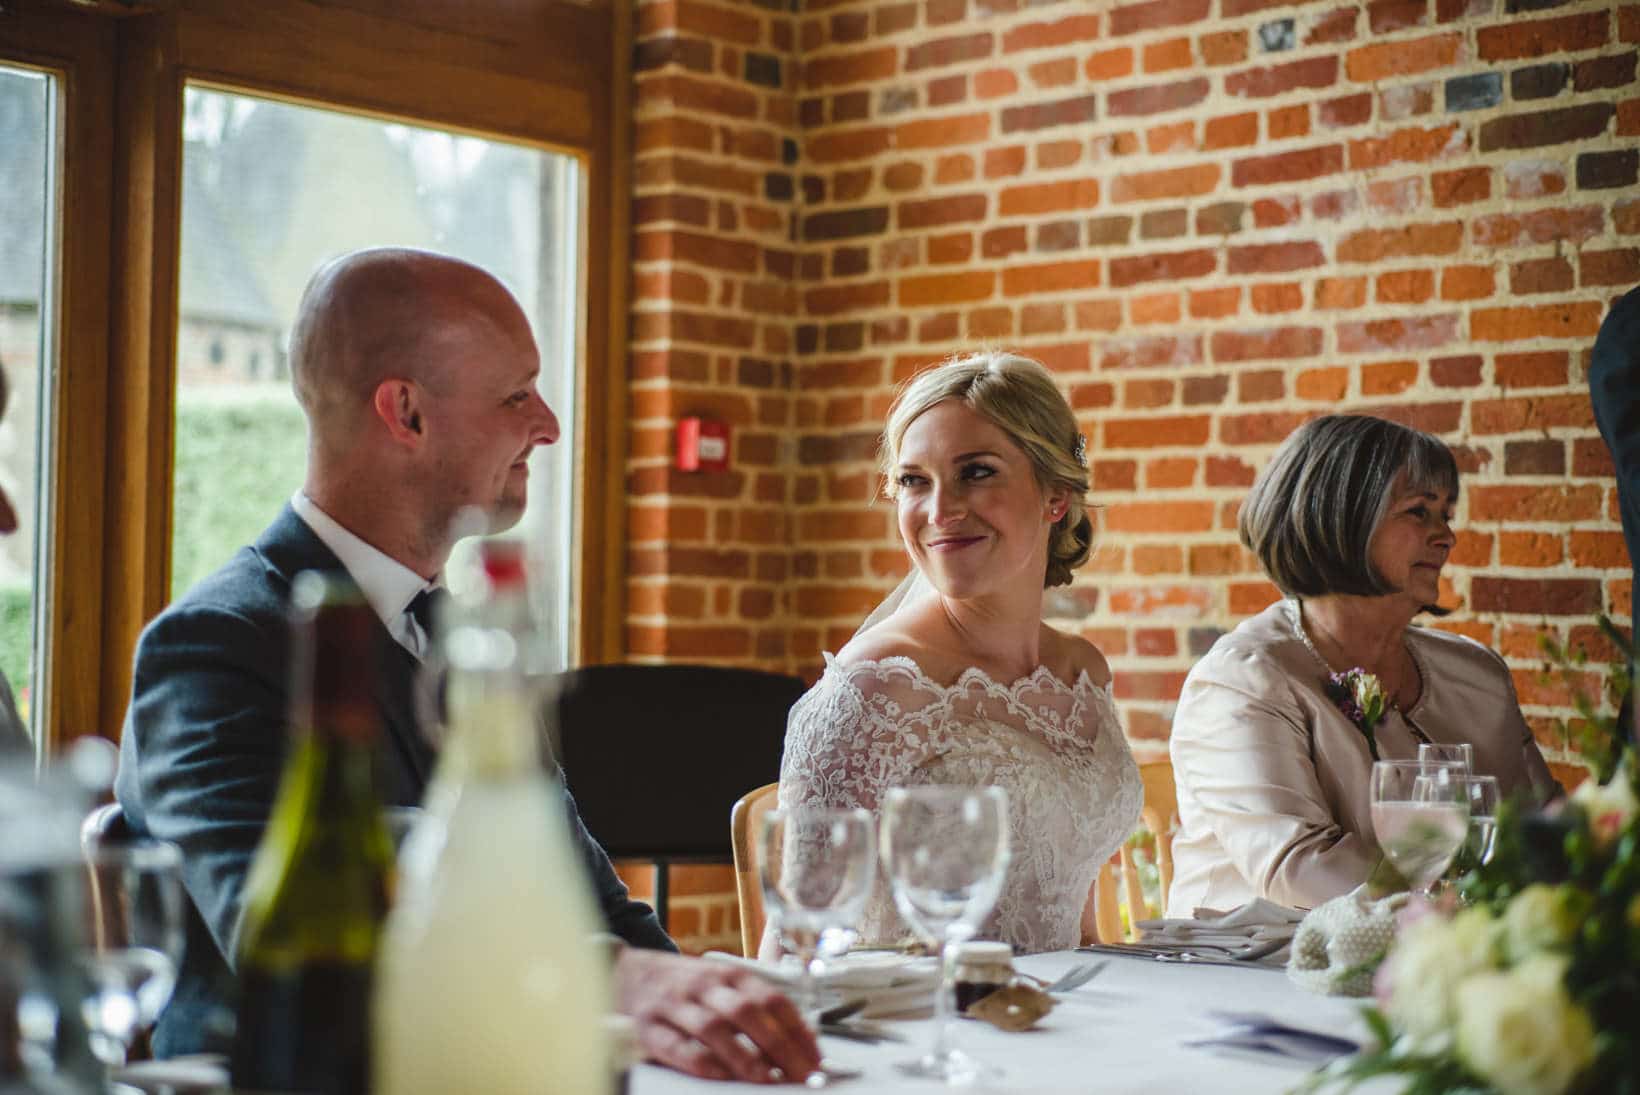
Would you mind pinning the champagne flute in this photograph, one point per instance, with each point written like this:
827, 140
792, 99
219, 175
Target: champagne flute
946, 852
1461, 754
1482, 794
816, 867
1420, 818
131, 941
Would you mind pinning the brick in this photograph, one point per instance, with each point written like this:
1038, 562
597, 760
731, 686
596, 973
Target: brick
1545, 226
1581, 320
1110, 64
1260, 387
1163, 224
1275, 258
1340, 293
1548, 127
1265, 345
1057, 277
1403, 57
941, 12
846, 69
1176, 266
1406, 286
937, 289
1527, 179
1223, 48
1395, 196
1626, 217
718, 23
1168, 56
1628, 118
1074, 111
955, 209
941, 132
1540, 276
836, 299
1063, 32
949, 51
1617, 267
1297, 166
1264, 428
1535, 596
1456, 372
1143, 433
1388, 16
1460, 187
1517, 39
1539, 81
1598, 73
1397, 335
1278, 35
1142, 394
690, 53
1052, 197
1553, 504
945, 91
1544, 369
1459, 283
995, 83
1600, 550
845, 145
1329, 385
1605, 170
1235, 131
1530, 549
1181, 182
1476, 92
1419, 240
1259, 83
1277, 298
1058, 236
1157, 98
958, 247
1534, 458
1157, 14
1150, 352
1057, 72
1413, 145
1536, 413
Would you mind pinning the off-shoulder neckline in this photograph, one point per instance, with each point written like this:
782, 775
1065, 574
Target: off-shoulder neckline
1038, 677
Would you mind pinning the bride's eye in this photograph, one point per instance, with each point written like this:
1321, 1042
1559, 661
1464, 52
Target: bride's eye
909, 479
977, 471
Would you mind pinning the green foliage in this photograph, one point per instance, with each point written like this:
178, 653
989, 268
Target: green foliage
238, 460
16, 637
1597, 734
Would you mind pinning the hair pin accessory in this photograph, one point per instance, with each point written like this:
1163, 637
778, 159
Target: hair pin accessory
1080, 449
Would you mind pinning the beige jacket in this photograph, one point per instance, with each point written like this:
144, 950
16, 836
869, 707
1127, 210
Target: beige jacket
1273, 778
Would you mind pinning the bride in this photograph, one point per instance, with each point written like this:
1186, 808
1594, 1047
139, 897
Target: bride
955, 679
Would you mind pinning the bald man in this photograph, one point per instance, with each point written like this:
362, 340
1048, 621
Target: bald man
417, 374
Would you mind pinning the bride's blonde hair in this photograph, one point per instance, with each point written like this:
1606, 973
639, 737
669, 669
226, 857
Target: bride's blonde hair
1019, 396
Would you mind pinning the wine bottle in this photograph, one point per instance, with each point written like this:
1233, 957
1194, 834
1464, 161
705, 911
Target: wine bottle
489, 978
319, 886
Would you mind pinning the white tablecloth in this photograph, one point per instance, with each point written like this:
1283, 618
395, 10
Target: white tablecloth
1121, 1032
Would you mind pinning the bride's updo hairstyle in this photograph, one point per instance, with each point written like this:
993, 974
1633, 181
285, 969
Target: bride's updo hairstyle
1312, 513
1020, 398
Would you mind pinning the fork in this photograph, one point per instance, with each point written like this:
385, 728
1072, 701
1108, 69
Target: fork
1073, 978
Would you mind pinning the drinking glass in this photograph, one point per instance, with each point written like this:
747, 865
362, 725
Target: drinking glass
1420, 817
946, 853
816, 866
1482, 794
1461, 754
130, 941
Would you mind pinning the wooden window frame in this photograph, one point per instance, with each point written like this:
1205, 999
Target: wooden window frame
550, 73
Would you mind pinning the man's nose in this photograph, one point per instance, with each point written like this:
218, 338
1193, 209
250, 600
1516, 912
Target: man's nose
546, 425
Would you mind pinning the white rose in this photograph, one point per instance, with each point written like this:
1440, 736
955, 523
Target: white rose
1611, 808
1520, 1031
1430, 959
1539, 918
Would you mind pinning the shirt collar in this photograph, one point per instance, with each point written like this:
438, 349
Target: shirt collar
386, 583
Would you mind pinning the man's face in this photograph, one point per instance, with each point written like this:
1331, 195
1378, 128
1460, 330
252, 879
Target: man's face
486, 419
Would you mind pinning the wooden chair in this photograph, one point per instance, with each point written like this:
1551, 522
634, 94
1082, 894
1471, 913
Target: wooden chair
743, 822
1159, 815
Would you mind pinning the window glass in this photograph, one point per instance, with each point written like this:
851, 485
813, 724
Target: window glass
271, 191
27, 219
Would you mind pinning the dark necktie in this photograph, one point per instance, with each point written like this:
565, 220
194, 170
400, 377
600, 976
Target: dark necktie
427, 606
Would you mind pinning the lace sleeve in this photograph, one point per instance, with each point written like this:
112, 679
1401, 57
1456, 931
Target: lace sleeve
857, 732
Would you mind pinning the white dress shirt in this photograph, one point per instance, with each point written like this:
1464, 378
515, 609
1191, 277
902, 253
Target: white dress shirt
386, 583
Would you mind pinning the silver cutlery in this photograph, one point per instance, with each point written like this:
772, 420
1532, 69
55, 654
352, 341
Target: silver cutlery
1072, 979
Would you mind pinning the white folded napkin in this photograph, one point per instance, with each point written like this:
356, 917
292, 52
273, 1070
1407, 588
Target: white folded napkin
892, 984
1258, 921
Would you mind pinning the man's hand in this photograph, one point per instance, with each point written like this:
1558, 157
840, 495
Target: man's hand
713, 1021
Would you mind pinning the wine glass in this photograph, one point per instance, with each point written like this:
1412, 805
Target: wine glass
1420, 817
946, 852
1461, 754
816, 867
1482, 795
130, 941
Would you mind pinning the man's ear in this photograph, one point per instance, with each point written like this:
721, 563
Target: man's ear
397, 403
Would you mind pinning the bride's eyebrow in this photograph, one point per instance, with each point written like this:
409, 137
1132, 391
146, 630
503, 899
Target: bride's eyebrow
961, 456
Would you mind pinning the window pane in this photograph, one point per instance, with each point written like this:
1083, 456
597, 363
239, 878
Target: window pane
270, 192
27, 215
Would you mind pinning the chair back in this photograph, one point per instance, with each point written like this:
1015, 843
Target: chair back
656, 755
743, 822
1159, 815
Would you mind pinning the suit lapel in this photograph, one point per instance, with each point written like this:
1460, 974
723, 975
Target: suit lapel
288, 547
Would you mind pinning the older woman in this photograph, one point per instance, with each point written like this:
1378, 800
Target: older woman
1353, 521
956, 679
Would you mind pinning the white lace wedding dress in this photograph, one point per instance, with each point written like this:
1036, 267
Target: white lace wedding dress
1057, 749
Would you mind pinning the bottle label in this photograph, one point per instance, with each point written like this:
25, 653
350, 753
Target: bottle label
306, 1030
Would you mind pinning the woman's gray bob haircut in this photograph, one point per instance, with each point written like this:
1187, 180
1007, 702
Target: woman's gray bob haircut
1313, 511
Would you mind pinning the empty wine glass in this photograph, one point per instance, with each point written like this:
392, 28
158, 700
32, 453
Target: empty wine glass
1420, 817
130, 942
816, 867
946, 853
1482, 795
1461, 754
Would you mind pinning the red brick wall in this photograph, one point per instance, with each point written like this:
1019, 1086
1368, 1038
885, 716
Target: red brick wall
1211, 218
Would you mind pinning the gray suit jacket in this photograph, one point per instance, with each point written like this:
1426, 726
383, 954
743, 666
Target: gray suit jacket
203, 749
